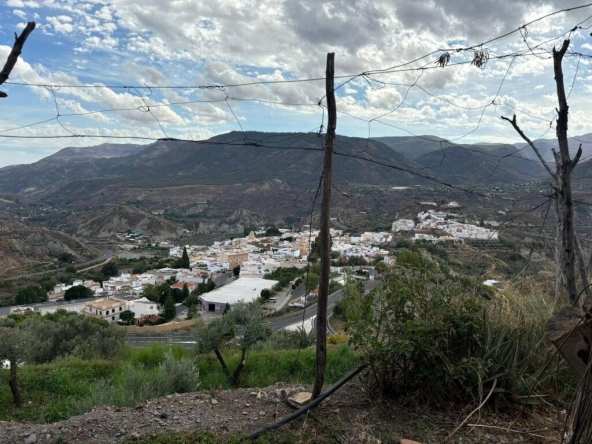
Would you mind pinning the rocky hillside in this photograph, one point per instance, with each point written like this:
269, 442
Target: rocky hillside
111, 219
485, 164
23, 245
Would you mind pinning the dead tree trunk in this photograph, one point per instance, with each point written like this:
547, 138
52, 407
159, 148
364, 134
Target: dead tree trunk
565, 254
565, 167
325, 238
558, 253
19, 42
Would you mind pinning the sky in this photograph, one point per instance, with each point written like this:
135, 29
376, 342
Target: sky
123, 69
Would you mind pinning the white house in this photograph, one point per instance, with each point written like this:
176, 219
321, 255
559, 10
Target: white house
105, 308
403, 225
143, 307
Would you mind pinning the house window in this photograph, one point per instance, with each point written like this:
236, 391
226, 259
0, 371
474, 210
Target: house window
113, 311
101, 312
112, 318
119, 308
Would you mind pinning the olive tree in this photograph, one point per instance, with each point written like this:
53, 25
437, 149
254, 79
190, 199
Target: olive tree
244, 324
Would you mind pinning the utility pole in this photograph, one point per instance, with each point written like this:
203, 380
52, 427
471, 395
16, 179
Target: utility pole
325, 239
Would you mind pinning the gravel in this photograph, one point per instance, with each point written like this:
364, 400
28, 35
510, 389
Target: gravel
223, 412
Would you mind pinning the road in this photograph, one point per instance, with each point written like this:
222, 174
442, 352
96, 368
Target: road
91, 264
187, 339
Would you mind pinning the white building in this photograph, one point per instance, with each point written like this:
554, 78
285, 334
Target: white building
143, 307
243, 289
105, 308
403, 225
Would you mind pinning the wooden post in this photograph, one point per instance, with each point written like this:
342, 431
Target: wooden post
325, 239
17, 48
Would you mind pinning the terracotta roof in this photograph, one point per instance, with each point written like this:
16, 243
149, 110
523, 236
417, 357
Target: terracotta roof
180, 285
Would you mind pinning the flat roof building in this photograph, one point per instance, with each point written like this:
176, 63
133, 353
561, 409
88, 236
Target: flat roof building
242, 289
107, 309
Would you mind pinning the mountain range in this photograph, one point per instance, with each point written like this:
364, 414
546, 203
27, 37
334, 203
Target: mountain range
296, 159
234, 180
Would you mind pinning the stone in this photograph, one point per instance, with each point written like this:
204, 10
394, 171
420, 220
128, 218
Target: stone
139, 406
301, 398
31, 439
214, 401
164, 415
261, 413
253, 393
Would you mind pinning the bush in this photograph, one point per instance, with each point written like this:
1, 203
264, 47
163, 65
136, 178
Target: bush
436, 335
416, 331
337, 338
63, 334
135, 384
178, 375
290, 339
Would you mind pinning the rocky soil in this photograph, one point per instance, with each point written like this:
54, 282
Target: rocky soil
348, 416
223, 412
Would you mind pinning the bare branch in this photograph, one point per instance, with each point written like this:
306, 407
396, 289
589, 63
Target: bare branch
556, 157
576, 159
532, 145
563, 49
17, 48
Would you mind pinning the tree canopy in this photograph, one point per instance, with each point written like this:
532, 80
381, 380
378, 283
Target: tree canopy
31, 295
169, 308
127, 317
242, 317
185, 259
110, 269
78, 292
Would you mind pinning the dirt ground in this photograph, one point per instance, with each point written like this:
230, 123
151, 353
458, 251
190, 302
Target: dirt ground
348, 416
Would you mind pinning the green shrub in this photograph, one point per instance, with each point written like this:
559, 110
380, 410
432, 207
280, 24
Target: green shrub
432, 334
289, 339
136, 384
415, 330
178, 375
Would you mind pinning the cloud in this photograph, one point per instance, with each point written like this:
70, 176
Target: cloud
22, 4
270, 43
20, 14
61, 24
